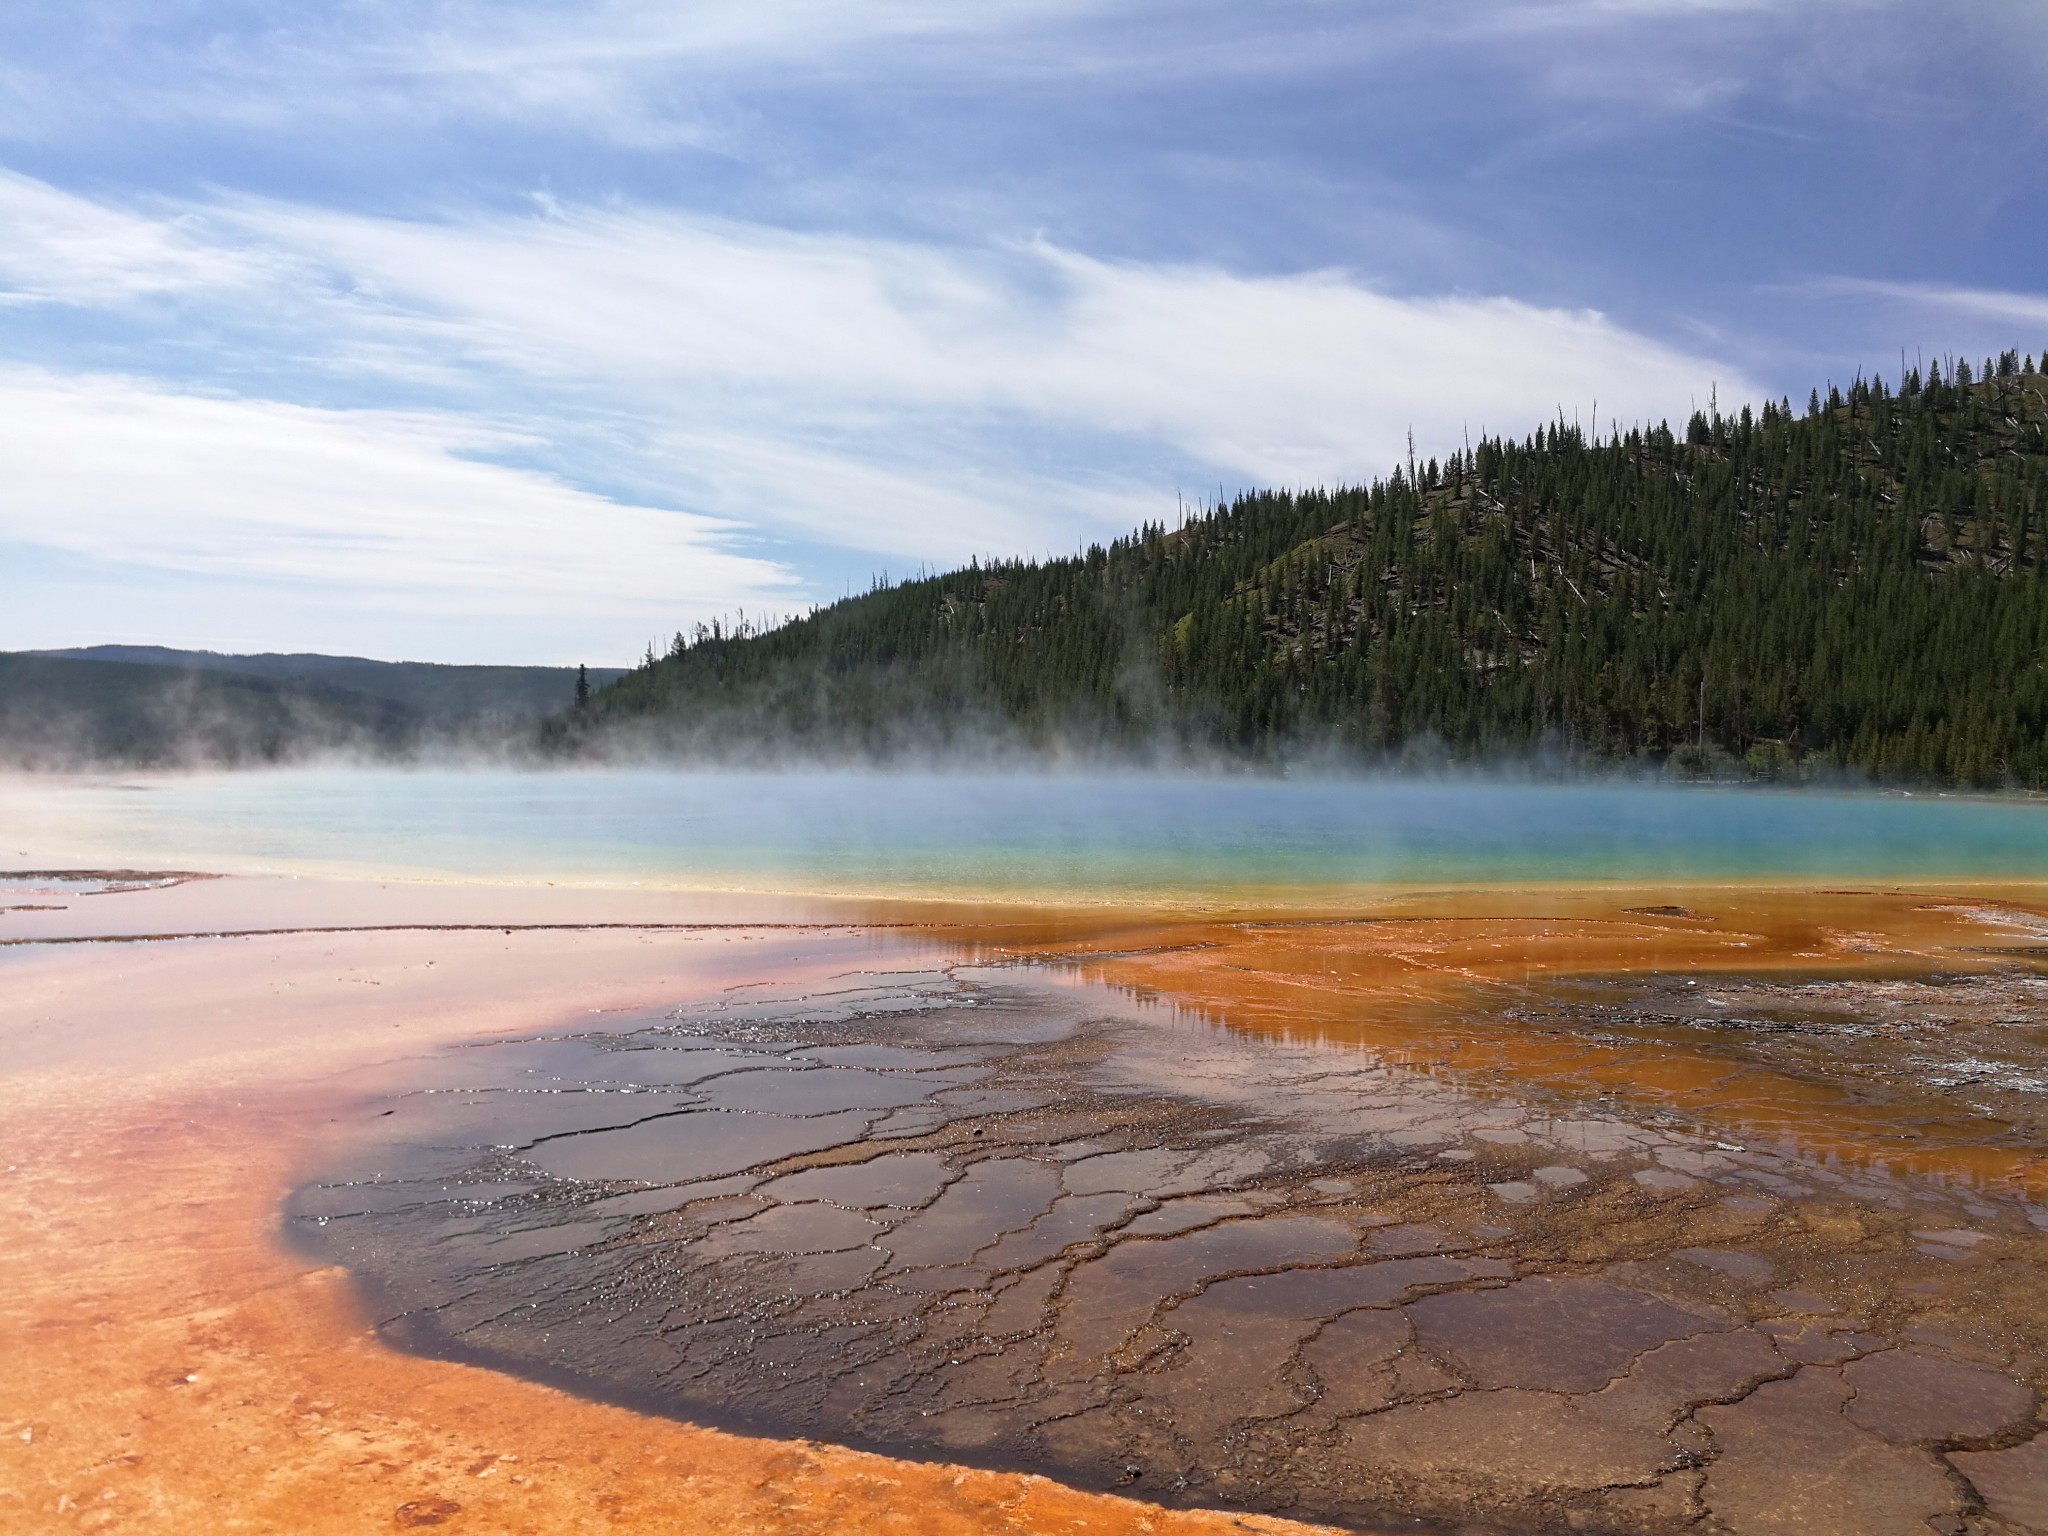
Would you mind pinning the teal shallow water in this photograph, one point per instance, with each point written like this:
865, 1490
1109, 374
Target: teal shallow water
1077, 836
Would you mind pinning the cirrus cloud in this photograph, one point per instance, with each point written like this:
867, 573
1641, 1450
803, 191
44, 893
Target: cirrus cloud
622, 408
947, 363
394, 506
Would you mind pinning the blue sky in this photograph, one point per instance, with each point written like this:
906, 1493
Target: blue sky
513, 330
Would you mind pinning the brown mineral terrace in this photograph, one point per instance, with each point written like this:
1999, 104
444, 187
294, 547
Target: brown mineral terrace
171, 1368
1604, 1210
1468, 983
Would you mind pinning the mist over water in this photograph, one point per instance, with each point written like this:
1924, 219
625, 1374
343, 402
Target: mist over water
1076, 836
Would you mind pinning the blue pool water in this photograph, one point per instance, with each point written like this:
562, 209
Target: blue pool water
1085, 836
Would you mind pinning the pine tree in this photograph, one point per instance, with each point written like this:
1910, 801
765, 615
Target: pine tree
1861, 587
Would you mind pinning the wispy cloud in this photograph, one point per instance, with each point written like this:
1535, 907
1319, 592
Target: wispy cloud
1921, 319
650, 73
888, 398
57, 246
622, 68
2001, 306
756, 293
901, 356
393, 506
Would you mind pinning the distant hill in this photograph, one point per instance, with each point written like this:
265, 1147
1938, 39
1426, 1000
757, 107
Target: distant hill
142, 706
1860, 585
56, 712
450, 697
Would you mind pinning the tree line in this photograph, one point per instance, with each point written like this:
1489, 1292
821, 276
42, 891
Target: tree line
1858, 585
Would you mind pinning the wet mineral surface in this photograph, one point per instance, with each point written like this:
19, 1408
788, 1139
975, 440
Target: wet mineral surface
1013, 1215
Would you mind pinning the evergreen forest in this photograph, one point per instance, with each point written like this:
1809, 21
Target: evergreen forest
1858, 586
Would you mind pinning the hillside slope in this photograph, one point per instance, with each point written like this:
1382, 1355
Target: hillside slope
450, 699
1862, 584
150, 706
56, 712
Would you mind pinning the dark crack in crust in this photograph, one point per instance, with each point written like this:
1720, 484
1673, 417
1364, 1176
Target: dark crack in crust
988, 1217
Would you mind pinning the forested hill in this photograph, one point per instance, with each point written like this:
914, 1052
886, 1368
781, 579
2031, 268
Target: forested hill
444, 700
117, 706
1862, 584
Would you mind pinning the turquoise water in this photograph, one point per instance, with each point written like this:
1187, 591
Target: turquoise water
1074, 835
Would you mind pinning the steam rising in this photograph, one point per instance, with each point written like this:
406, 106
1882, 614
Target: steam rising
186, 711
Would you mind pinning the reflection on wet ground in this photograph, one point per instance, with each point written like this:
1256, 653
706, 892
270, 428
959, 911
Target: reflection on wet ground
1493, 1275
1872, 1027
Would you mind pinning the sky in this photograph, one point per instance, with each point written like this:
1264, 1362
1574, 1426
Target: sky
529, 331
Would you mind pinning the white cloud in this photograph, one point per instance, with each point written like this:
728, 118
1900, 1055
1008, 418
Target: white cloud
913, 402
911, 508
1316, 378
650, 73
1999, 305
547, 38
623, 69
633, 67
876, 350
386, 505
1919, 320
55, 245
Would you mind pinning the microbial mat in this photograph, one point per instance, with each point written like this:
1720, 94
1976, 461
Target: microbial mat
1490, 1252
1439, 1157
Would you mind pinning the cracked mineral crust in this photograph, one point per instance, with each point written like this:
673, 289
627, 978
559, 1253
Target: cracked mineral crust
1024, 1216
